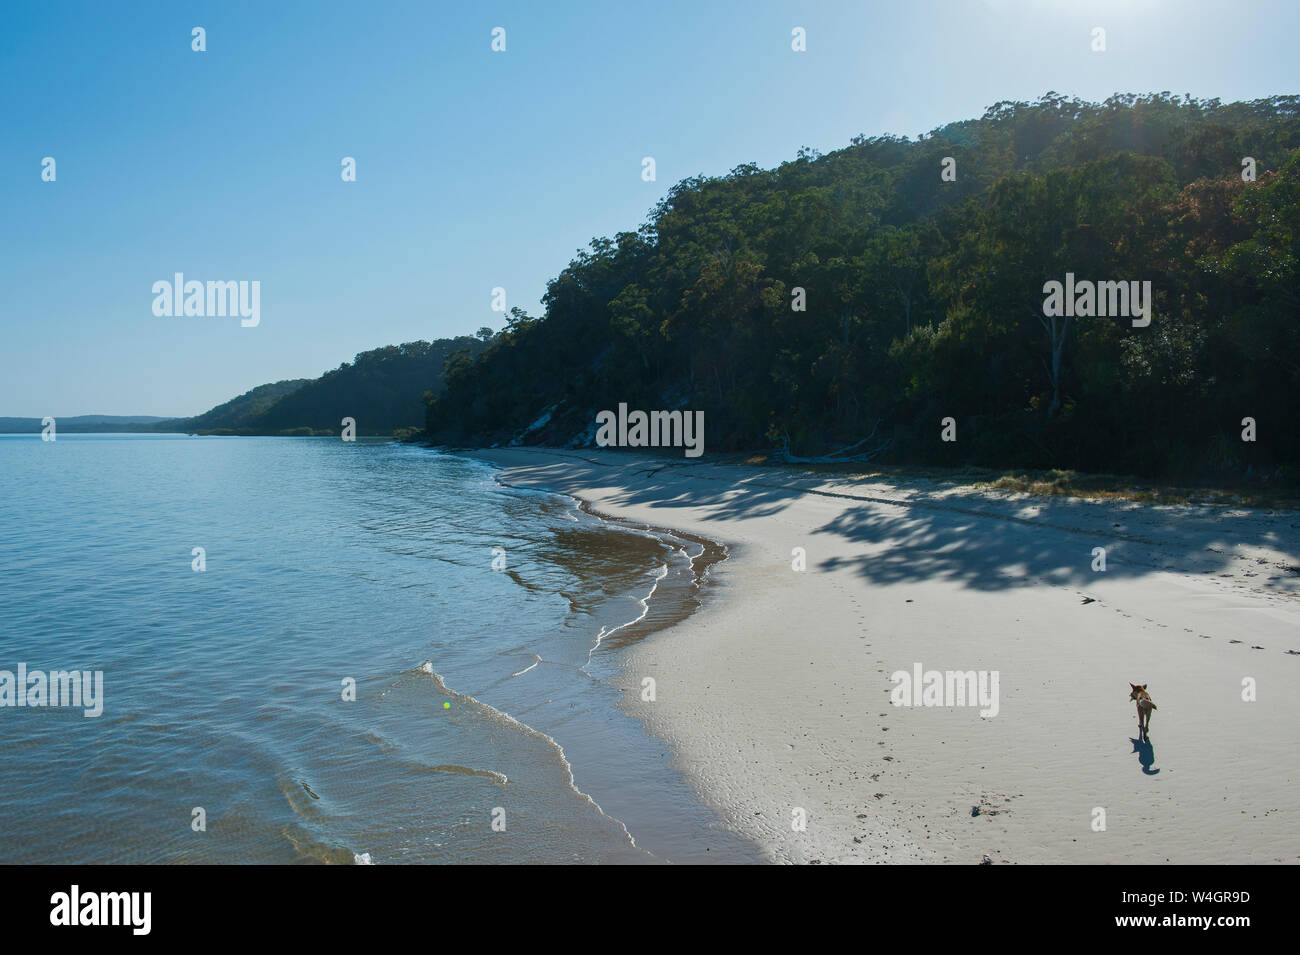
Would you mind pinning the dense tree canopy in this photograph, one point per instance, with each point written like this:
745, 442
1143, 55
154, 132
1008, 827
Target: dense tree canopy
924, 299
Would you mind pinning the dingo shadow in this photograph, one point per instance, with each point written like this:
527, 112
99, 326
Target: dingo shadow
1146, 755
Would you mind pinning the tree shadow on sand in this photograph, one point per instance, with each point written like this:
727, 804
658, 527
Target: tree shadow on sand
990, 543
919, 530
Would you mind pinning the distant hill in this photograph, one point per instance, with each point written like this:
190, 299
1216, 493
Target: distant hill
83, 423
238, 413
382, 389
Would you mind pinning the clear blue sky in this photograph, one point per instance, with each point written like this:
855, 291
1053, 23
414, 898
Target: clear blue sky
475, 169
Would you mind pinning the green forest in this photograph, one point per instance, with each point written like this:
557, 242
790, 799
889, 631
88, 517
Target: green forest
383, 390
923, 299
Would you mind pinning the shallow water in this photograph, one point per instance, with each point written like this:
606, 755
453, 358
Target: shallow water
481, 694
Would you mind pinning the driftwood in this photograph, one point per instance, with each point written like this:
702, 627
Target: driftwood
840, 456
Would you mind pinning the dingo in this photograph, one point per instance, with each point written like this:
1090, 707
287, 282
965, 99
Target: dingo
1144, 705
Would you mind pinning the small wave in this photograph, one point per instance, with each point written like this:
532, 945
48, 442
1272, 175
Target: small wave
309, 847
362, 858
385, 745
499, 778
513, 575
527, 668
427, 668
645, 609
302, 801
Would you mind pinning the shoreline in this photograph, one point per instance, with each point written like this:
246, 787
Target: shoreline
774, 694
661, 805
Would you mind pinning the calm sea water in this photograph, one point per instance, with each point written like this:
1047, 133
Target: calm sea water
481, 694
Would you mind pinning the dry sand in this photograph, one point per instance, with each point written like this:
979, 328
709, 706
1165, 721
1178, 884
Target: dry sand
775, 696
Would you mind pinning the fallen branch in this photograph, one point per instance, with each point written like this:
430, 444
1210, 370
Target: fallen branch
840, 456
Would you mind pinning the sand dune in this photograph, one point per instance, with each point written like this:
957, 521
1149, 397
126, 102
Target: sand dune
776, 696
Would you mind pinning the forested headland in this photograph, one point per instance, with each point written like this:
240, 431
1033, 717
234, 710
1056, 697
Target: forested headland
859, 298
383, 390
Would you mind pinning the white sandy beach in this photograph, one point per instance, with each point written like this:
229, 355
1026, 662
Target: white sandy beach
776, 694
